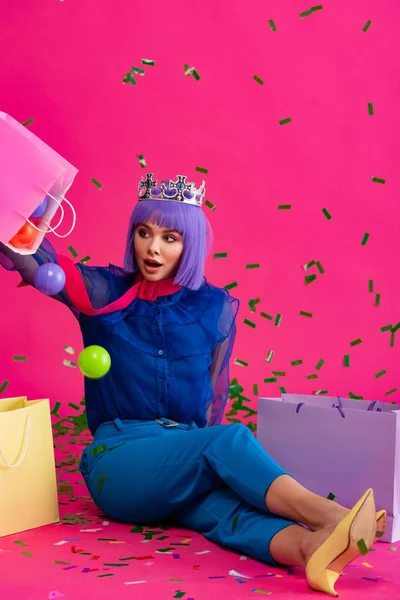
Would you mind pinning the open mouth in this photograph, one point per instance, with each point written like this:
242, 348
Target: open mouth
152, 264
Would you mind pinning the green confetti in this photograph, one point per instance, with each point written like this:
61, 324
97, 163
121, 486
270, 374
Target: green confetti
256, 78
137, 529
282, 390
241, 363
255, 389
363, 547
74, 406
367, 26
303, 313
270, 380
346, 360
187, 69
115, 565
230, 286
106, 575
313, 376
234, 522
392, 340
202, 170
272, 24
370, 286
4, 386
331, 496
127, 558
327, 214
378, 180
377, 299
319, 364
269, 356
148, 61
253, 303
393, 549
380, 374
29, 554
354, 397
96, 183
129, 78
195, 74
319, 267
56, 408
356, 342
19, 543
142, 160
309, 278
279, 373
256, 591
84, 260
101, 482
267, 316
386, 328
308, 265
210, 205
221, 255
278, 320
391, 391
28, 122
73, 251
309, 12
137, 71
253, 266
370, 108
249, 323
20, 358
69, 350
285, 121
320, 392
365, 239
179, 595
295, 363
284, 206
69, 363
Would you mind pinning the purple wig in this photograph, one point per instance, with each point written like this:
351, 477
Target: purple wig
190, 221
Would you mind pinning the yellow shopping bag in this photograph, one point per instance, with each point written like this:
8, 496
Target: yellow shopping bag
28, 488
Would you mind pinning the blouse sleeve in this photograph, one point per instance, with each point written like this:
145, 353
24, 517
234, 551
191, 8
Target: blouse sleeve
102, 284
219, 369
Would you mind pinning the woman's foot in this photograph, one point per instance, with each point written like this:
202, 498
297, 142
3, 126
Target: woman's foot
328, 551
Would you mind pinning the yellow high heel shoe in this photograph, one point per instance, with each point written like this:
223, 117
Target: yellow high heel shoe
328, 561
380, 524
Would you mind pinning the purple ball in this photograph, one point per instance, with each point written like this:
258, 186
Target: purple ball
40, 209
49, 279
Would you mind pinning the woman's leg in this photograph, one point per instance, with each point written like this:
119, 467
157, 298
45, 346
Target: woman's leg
226, 519
288, 499
151, 473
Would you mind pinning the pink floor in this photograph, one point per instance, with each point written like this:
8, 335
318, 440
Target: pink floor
87, 557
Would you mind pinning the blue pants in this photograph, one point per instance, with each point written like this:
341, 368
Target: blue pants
210, 480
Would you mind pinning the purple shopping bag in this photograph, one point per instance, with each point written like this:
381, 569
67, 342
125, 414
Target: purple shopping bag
338, 446
29, 171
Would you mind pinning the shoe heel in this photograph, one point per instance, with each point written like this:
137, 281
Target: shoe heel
326, 582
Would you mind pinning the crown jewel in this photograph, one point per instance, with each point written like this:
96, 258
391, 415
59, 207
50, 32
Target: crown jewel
177, 191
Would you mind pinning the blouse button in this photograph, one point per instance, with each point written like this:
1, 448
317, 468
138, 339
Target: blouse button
161, 352
162, 375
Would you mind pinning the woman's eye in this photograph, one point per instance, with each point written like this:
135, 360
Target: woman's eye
169, 238
143, 233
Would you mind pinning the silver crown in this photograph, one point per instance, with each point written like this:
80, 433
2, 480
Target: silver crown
176, 191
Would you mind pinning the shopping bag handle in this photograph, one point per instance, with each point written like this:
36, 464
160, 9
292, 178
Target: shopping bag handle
25, 450
60, 206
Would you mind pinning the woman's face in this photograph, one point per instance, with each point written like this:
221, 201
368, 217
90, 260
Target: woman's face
157, 251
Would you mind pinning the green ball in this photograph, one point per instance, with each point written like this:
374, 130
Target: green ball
94, 362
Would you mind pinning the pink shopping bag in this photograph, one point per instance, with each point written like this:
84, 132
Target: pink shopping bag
337, 446
29, 170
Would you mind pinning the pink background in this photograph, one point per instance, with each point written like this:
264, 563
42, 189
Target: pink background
63, 64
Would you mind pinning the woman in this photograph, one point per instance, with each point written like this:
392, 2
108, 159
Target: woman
154, 456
